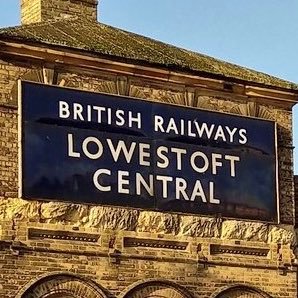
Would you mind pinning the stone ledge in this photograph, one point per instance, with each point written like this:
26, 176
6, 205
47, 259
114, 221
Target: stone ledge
154, 243
61, 235
238, 250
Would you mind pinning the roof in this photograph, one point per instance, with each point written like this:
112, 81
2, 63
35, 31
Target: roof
103, 40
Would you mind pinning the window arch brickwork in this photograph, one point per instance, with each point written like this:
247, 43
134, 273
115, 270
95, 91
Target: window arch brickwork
156, 289
63, 285
240, 292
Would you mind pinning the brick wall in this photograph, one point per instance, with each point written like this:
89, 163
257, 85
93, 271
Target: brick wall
30, 11
9, 153
201, 254
33, 11
296, 200
30, 258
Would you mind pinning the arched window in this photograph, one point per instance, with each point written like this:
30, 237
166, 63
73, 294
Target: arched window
241, 292
63, 286
156, 289
61, 295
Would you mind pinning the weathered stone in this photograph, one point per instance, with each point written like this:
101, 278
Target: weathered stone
156, 222
284, 234
200, 226
295, 249
252, 109
21, 209
240, 230
157, 94
55, 212
3, 204
113, 218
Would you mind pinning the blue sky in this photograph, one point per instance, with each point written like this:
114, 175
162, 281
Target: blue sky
257, 34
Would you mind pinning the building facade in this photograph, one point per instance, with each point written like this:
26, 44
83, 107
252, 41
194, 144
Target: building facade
51, 249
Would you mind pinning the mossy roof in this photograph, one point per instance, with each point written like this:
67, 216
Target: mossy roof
107, 41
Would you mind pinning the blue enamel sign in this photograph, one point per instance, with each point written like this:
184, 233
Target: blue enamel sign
86, 147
